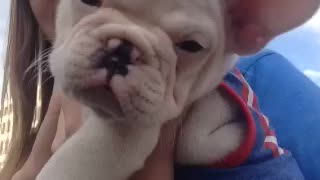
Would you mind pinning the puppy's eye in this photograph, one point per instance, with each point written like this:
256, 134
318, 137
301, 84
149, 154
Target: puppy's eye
96, 3
190, 46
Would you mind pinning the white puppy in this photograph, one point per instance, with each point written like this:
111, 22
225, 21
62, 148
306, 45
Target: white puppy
137, 64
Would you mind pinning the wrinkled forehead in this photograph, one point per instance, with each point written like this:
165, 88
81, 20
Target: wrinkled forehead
161, 7
172, 15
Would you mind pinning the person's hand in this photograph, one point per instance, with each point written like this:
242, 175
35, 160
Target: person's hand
69, 121
24, 174
27, 172
160, 164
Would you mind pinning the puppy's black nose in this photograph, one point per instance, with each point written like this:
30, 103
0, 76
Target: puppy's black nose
115, 60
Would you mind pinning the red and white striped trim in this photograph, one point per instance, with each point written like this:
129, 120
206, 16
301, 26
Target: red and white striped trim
247, 92
270, 141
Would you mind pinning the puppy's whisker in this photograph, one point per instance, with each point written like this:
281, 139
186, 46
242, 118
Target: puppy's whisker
33, 67
41, 59
39, 64
33, 76
46, 80
33, 70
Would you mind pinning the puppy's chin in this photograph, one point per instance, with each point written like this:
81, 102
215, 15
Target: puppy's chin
100, 100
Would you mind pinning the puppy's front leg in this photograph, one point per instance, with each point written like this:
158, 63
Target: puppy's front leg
100, 151
114, 148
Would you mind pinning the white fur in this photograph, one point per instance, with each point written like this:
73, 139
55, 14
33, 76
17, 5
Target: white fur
213, 128
121, 128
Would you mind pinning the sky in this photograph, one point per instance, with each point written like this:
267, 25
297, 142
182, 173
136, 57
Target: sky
301, 46
4, 13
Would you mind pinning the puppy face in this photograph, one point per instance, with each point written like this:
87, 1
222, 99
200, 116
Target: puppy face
178, 42
144, 55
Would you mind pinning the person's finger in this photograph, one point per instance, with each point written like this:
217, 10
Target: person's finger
72, 111
55, 104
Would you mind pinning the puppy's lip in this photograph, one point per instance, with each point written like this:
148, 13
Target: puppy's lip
97, 79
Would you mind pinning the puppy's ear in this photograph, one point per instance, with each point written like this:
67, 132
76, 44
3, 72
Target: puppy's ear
253, 23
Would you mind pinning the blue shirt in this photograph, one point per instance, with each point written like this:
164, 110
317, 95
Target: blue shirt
291, 101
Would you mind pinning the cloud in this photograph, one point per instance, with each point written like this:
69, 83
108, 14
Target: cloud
313, 75
3, 43
314, 23
4, 9
2, 40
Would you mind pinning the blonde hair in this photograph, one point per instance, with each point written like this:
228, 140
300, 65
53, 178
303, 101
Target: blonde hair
25, 43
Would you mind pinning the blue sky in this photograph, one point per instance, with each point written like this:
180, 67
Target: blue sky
301, 46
